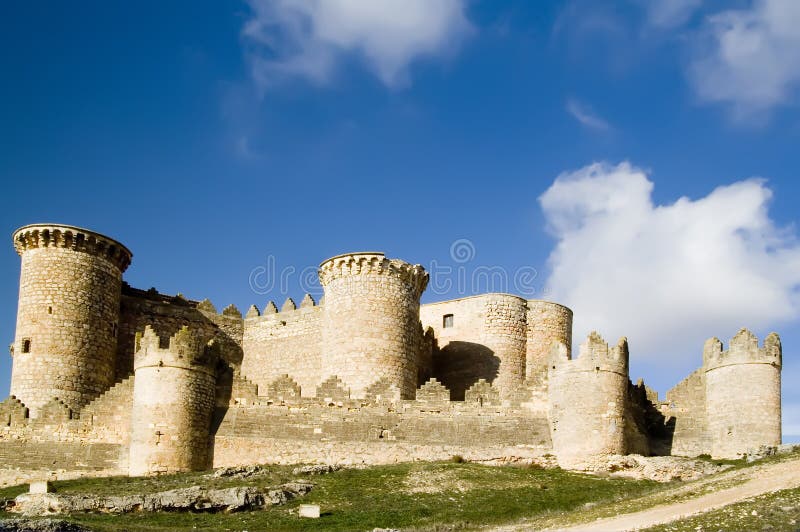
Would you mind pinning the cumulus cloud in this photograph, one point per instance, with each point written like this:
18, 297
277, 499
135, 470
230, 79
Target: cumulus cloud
749, 59
667, 276
306, 38
586, 116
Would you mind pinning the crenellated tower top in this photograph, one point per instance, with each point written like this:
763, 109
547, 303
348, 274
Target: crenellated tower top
594, 354
70, 237
742, 349
372, 263
184, 351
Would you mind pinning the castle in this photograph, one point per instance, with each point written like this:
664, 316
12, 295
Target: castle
111, 378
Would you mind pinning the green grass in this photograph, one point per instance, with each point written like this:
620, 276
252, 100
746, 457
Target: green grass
779, 511
427, 496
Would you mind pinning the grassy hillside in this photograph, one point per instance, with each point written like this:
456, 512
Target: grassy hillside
424, 495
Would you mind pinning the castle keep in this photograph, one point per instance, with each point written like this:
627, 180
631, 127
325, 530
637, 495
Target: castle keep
112, 378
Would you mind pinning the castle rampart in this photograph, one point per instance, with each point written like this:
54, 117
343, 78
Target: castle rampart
287, 342
369, 376
68, 314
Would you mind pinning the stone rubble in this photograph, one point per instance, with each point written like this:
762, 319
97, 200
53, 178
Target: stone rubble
192, 499
658, 468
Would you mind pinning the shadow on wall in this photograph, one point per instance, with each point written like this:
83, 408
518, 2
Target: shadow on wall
459, 365
166, 315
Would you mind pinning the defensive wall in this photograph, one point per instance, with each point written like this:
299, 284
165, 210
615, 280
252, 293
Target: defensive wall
113, 378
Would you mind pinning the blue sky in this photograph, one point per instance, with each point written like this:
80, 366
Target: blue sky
640, 158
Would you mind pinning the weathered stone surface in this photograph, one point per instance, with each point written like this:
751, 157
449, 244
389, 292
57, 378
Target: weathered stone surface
315, 469
192, 499
658, 468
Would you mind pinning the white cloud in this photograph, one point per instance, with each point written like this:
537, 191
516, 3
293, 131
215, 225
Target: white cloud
586, 116
749, 59
306, 38
670, 13
667, 276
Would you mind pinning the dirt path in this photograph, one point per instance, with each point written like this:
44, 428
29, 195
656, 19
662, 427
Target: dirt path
749, 483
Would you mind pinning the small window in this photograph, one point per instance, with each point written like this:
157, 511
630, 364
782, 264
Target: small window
26, 345
49, 310
114, 330
447, 321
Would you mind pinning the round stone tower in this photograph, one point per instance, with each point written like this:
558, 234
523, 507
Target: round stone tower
743, 394
548, 323
173, 404
371, 326
588, 400
504, 334
67, 319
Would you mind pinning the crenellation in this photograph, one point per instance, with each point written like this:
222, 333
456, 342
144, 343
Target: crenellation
284, 389
232, 311
207, 306
307, 301
148, 383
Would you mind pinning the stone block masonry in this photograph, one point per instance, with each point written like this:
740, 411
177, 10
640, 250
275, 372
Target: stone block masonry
370, 321
68, 314
173, 402
588, 400
112, 378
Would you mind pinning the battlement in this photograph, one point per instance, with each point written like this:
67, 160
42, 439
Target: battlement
69, 237
289, 307
372, 263
184, 351
742, 349
594, 354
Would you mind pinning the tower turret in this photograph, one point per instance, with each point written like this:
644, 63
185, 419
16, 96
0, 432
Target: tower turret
743, 393
173, 403
547, 322
587, 400
67, 319
370, 327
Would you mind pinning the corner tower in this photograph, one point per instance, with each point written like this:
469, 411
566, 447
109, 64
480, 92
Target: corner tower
67, 319
588, 398
370, 324
743, 394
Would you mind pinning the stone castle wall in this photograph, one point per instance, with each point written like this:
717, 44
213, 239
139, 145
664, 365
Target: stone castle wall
342, 381
288, 342
68, 315
685, 412
166, 315
409, 430
494, 337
